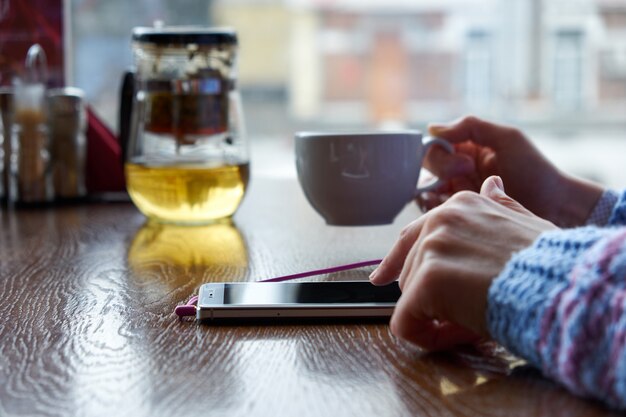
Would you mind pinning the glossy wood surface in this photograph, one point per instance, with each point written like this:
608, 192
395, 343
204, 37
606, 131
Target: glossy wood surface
87, 329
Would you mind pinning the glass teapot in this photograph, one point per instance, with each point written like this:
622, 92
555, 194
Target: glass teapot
186, 155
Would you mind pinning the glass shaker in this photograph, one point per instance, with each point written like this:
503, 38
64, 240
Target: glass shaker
30, 144
67, 124
187, 154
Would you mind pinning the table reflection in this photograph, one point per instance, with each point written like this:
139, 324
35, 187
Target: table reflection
490, 378
175, 260
188, 246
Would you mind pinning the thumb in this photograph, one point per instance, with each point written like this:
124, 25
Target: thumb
493, 188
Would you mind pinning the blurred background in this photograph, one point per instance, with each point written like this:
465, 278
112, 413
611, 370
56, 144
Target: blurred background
556, 68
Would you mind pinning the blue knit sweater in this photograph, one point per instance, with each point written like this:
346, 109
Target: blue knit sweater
561, 305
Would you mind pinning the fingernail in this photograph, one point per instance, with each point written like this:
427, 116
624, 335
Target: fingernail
499, 183
436, 129
373, 275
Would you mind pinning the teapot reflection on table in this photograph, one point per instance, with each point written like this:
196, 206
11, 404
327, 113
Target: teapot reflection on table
215, 252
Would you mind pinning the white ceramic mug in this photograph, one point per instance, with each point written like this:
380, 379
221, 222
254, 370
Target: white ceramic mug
356, 179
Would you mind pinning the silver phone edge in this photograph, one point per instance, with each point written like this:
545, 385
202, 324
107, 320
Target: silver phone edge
318, 311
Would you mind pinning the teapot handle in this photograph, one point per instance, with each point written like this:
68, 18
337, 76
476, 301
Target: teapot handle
126, 110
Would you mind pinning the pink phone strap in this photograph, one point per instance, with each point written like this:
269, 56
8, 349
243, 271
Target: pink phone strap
189, 309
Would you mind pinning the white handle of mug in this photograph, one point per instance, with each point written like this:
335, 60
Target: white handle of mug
430, 141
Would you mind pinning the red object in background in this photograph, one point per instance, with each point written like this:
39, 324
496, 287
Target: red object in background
24, 23
104, 167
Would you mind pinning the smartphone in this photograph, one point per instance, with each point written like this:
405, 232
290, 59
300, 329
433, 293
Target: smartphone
295, 300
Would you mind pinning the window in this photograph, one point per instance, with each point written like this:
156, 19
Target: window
360, 64
478, 74
568, 69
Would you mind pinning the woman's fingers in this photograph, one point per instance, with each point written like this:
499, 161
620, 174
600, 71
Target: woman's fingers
413, 318
432, 335
476, 130
445, 165
428, 200
391, 266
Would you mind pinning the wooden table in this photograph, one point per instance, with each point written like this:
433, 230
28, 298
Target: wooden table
86, 324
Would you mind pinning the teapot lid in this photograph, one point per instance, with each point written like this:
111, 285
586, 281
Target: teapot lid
184, 35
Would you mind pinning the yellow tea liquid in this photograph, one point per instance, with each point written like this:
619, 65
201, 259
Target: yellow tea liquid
193, 194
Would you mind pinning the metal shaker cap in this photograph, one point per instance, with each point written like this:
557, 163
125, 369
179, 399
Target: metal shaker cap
65, 101
66, 109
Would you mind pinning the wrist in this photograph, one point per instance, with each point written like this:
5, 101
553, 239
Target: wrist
602, 211
579, 198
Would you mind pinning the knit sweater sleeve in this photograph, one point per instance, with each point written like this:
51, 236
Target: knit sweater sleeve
561, 304
618, 216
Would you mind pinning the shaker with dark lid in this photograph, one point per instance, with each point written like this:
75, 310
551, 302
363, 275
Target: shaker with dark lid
67, 124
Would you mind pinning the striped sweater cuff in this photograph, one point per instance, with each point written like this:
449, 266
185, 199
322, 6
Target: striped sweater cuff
603, 209
618, 216
527, 286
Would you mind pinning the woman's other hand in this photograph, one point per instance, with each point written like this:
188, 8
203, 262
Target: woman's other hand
484, 149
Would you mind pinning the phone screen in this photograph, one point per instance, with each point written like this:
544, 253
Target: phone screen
289, 300
342, 292
242, 294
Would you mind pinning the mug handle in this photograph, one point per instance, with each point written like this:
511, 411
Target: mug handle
428, 142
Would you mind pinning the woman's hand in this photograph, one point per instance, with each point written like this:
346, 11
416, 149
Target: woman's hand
446, 260
484, 149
